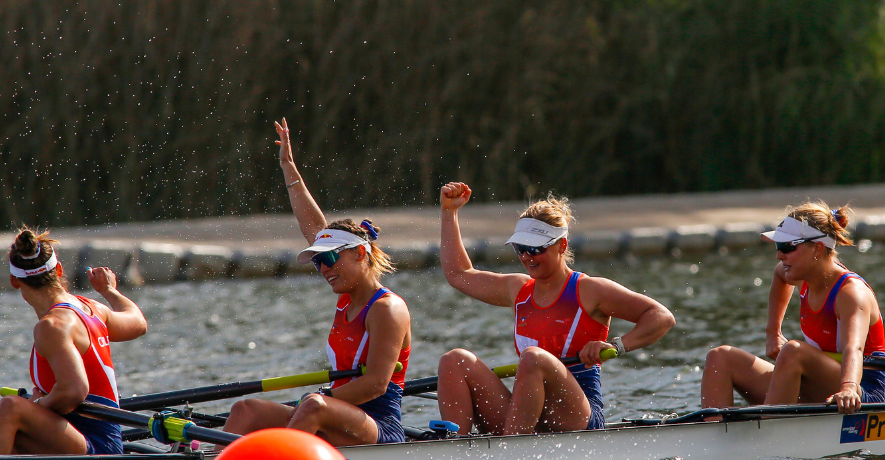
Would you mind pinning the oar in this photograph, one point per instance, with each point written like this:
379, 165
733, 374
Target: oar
233, 390
737, 413
164, 428
412, 387
418, 386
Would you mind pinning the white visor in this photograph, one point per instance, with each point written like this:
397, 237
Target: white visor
45, 268
792, 230
329, 240
533, 232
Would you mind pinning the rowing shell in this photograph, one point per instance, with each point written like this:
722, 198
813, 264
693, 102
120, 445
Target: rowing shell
808, 436
798, 436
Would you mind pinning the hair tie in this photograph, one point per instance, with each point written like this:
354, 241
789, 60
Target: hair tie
36, 254
373, 235
835, 213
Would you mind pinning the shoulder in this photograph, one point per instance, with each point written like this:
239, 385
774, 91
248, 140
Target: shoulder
389, 310
97, 308
390, 303
855, 289
55, 326
597, 283
516, 280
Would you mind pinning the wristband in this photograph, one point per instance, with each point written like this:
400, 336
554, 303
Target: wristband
293, 183
619, 345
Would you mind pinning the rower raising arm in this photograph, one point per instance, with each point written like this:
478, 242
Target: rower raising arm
557, 313
489, 287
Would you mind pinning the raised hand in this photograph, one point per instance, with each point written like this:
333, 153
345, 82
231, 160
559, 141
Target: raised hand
102, 279
454, 195
285, 145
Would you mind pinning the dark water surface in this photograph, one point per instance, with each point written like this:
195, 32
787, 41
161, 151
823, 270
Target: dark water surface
204, 333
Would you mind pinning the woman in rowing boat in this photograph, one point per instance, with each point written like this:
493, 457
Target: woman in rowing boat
371, 328
558, 313
839, 316
71, 356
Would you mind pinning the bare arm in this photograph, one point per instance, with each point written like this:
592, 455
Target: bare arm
489, 287
124, 319
390, 321
54, 340
778, 299
603, 298
855, 305
309, 215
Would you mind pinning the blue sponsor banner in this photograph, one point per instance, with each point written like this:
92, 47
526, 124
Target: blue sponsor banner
863, 427
853, 428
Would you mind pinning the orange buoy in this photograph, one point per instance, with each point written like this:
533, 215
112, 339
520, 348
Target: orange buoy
280, 444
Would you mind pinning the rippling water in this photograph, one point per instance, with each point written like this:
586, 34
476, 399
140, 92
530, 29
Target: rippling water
204, 333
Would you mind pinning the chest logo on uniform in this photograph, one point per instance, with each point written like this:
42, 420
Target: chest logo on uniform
103, 342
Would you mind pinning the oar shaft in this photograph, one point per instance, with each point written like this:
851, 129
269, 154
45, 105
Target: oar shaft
124, 417
191, 395
236, 389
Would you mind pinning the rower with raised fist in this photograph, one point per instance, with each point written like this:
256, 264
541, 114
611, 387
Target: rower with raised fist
557, 313
71, 356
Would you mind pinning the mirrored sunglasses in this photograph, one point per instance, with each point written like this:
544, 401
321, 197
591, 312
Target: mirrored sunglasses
787, 247
531, 250
327, 258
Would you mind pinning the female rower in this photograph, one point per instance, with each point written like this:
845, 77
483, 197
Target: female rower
371, 328
838, 315
71, 356
558, 313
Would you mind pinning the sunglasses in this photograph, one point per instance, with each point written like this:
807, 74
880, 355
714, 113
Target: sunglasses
531, 250
789, 246
327, 258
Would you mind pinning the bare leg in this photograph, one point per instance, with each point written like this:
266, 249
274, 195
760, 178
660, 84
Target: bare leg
545, 391
470, 393
250, 415
338, 422
803, 373
28, 428
728, 369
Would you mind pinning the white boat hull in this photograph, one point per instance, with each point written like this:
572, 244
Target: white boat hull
810, 436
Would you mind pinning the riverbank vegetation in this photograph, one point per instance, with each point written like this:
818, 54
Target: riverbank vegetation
153, 110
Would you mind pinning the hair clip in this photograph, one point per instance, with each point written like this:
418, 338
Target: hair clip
373, 235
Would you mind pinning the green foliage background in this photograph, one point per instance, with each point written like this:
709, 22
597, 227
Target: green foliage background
153, 110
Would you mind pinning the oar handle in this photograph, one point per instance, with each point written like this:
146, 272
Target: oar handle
315, 378
6, 391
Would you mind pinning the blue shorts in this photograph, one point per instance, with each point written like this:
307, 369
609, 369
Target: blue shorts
873, 382
102, 438
590, 383
386, 411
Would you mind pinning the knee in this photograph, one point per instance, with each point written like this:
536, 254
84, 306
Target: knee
719, 356
11, 407
455, 359
310, 405
535, 358
791, 353
245, 409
